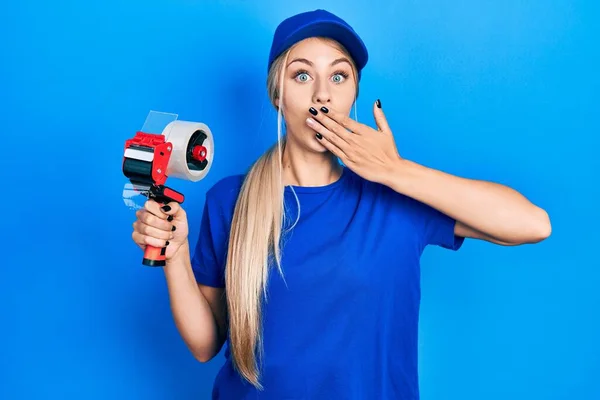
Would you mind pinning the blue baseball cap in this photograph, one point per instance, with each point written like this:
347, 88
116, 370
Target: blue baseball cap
318, 23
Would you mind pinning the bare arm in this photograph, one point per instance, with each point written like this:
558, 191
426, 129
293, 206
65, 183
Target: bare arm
198, 310
483, 210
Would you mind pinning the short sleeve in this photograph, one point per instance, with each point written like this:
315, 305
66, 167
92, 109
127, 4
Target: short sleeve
437, 227
208, 260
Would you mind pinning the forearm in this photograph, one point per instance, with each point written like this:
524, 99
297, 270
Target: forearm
488, 207
191, 310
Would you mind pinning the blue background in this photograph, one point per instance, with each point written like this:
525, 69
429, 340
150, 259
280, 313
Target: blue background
503, 91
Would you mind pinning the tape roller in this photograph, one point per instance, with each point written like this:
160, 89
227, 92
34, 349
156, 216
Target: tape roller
183, 150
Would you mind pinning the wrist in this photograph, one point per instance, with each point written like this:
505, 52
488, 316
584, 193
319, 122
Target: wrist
181, 254
179, 263
400, 175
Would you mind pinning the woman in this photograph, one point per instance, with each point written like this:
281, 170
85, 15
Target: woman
309, 269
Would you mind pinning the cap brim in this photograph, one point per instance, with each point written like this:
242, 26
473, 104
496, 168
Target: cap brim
331, 29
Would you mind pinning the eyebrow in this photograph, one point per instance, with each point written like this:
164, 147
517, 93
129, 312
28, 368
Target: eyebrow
305, 61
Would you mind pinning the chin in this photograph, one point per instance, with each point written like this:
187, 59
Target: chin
311, 143
319, 147
308, 141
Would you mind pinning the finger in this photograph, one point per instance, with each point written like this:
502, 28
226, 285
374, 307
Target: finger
138, 239
152, 231
331, 124
157, 221
154, 208
143, 240
380, 118
164, 211
341, 120
173, 208
326, 133
332, 147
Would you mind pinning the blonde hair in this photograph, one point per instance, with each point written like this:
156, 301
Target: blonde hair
256, 238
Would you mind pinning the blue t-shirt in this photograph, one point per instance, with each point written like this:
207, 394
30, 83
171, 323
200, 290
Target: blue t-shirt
344, 323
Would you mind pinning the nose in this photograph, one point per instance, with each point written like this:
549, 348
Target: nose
322, 95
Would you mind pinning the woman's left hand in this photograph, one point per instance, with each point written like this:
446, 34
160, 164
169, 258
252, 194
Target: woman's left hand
370, 153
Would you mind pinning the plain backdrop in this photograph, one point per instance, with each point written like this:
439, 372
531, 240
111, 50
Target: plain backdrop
505, 91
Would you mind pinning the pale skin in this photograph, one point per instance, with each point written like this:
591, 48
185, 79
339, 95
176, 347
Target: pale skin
318, 75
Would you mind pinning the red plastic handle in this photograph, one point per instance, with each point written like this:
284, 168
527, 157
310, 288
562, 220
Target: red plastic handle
154, 256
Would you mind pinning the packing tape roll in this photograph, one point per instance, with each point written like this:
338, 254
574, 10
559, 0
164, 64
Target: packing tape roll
184, 136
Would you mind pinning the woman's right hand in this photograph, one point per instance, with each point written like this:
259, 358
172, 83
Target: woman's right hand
161, 226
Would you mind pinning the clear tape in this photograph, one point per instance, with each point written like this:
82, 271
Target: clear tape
157, 121
135, 195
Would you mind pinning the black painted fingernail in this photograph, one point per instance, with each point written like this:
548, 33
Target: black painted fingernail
324, 109
319, 136
170, 218
166, 244
313, 111
166, 208
378, 103
173, 228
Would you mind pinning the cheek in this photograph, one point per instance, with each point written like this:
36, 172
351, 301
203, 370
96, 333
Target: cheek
346, 96
293, 94
296, 105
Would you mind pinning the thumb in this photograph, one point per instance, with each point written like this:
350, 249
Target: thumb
380, 119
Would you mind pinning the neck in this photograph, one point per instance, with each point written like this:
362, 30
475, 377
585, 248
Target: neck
309, 168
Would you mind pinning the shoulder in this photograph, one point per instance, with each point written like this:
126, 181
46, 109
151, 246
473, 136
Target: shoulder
376, 192
222, 196
226, 187
387, 198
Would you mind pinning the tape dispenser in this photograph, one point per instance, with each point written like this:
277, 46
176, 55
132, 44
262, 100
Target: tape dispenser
181, 150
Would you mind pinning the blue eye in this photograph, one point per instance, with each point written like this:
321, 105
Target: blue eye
303, 76
343, 75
